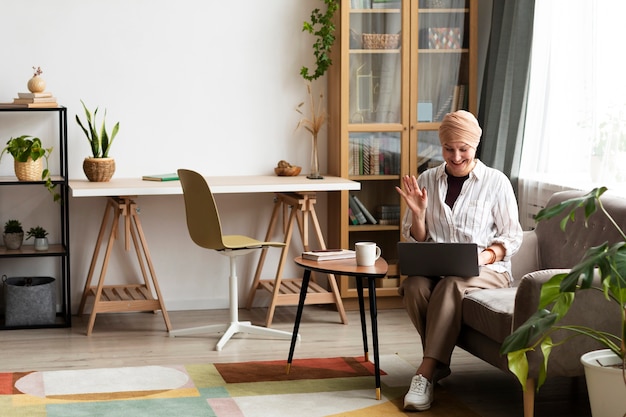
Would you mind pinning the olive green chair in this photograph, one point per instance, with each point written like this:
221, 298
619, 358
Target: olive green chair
203, 223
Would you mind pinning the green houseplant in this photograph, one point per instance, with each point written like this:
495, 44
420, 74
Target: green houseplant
13, 235
40, 235
321, 25
28, 154
606, 262
99, 167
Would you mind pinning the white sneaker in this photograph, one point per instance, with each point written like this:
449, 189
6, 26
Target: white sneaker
420, 394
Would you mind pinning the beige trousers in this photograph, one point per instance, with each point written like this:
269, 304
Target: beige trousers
434, 306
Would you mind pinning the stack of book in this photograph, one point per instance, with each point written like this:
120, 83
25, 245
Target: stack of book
388, 214
33, 100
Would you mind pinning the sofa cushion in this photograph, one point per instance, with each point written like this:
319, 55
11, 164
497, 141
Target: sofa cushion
490, 312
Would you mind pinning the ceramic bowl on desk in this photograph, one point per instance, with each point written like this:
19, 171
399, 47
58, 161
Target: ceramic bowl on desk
291, 171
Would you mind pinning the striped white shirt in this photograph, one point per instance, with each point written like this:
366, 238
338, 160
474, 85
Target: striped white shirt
484, 213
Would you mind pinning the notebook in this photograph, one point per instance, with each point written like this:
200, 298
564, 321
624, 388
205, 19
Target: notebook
438, 259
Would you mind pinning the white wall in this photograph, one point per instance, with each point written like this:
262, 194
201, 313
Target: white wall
210, 86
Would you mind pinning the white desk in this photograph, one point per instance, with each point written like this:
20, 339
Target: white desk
219, 185
295, 193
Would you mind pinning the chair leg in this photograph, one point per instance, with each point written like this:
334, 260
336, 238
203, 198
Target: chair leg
235, 326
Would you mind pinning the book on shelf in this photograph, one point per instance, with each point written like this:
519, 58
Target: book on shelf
328, 254
34, 95
352, 217
28, 105
364, 210
161, 177
35, 100
356, 211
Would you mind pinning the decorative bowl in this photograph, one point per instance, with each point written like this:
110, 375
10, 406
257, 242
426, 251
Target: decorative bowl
288, 171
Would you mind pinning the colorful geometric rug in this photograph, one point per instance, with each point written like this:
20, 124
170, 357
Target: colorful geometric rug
313, 388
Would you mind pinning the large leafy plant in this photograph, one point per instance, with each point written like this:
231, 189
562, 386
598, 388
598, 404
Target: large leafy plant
101, 141
608, 262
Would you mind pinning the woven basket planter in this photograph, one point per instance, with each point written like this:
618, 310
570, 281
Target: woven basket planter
381, 41
29, 170
99, 169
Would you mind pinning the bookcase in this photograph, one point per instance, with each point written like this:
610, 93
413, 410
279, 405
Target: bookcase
26, 262
398, 67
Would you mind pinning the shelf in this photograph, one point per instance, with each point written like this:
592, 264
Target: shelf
373, 227
22, 261
29, 250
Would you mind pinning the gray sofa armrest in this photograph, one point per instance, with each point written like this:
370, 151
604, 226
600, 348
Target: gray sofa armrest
528, 293
590, 309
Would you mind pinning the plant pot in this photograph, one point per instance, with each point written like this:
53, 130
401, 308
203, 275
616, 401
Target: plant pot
99, 169
605, 383
29, 170
41, 243
13, 240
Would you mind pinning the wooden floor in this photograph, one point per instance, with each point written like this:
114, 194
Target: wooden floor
131, 339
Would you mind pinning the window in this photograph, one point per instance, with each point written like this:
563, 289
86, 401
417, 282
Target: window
575, 131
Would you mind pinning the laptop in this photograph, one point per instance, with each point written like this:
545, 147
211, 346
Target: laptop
438, 259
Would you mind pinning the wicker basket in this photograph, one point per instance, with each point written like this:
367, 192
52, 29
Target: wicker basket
99, 169
29, 170
381, 41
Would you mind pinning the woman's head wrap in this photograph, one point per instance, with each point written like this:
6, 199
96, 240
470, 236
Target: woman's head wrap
460, 126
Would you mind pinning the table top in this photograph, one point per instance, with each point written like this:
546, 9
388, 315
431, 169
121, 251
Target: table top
219, 185
345, 267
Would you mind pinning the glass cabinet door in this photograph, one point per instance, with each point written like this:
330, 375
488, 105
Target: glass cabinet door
375, 61
443, 78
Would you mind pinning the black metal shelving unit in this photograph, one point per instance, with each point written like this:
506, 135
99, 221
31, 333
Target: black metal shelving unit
60, 250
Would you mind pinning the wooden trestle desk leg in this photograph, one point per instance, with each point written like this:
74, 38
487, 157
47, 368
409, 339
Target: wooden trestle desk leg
296, 208
128, 297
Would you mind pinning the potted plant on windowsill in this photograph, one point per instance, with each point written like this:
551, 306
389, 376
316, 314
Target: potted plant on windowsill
13, 235
28, 154
603, 268
99, 167
41, 237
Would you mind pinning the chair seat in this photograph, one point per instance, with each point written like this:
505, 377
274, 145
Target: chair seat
245, 242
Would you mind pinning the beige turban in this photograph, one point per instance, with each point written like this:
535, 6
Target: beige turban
460, 126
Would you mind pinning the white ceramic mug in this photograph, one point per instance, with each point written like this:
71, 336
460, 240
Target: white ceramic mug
366, 253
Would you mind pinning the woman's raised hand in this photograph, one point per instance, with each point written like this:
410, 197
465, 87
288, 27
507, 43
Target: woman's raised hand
416, 199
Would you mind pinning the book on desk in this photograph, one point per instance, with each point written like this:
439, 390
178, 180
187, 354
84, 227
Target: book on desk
328, 254
161, 177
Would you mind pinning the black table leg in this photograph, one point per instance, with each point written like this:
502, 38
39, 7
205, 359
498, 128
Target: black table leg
374, 316
359, 291
296, 326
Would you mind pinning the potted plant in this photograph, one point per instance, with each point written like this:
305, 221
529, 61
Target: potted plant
322, 26
99, 167
13, 234
607, 263
28, 154
41, 237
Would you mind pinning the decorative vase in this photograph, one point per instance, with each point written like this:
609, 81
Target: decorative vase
29, 170
41, 243
99, 169
315, 162
605, 383
13, 240
36, 84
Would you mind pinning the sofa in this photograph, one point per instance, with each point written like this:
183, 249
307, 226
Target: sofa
489, 316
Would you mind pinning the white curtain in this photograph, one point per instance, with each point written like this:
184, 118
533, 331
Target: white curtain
575, 130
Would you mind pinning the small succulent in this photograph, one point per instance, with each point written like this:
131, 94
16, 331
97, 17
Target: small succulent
36, 232
13, 226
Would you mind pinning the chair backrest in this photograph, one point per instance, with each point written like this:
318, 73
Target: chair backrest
558, 249
203, 220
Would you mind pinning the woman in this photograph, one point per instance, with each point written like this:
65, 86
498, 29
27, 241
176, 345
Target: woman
462, 200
